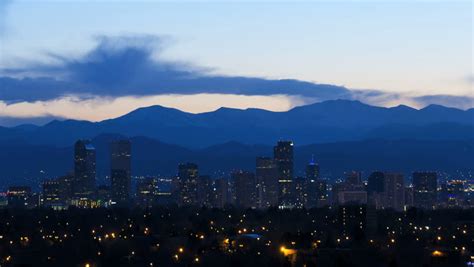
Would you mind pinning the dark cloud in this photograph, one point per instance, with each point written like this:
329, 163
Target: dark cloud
132, 66
464, 102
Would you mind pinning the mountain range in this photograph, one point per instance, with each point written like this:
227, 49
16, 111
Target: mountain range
329, 121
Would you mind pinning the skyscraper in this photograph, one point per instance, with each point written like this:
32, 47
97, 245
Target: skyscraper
315, 188
188, 175
120, 170
84, 168
267, 179
425, 185
283, 156
375, 189
394, 191
245, 189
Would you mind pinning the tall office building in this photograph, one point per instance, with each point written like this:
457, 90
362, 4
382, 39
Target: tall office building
283, 156
375, 183
245, 189
375, 189
394, 191
120, 170
425, 186
188, 175
267, 178
315, 188
300, 192
220, 193
204, 191
84, 168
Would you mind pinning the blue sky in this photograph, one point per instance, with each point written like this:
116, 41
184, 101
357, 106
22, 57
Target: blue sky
405, 48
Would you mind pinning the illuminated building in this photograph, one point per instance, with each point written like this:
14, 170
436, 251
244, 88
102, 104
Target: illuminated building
220, 193
120, 171
188, 175
204, 190
52, 195
300, 191
352, 218
146, 192
315, 187
245, 189
266, 173
84, 169
20, 197
283, 156
425, 186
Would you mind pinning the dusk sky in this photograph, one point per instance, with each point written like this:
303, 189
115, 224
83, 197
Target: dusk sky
413, 53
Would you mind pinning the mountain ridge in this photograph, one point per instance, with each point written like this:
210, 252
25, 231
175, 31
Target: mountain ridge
328, 121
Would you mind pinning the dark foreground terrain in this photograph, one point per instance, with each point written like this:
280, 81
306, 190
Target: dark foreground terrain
172, 236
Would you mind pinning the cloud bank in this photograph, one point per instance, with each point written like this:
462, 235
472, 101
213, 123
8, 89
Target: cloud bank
121, 74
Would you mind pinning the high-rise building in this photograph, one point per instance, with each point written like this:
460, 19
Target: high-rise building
267, 181
245, 189
375, 183
375, 189
425, 186
283, 156
204, 190
84, 168
316, 191
300, 192
394, 191
120, 171
220, 193
188, 175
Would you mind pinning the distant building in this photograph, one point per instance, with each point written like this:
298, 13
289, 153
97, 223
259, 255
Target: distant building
245, 189
352, 219
394, 191
300, 191
283, 156
204, 191
315, 189
358, 197
351, 191
53, 196
354, 178
120, 171
375, 189
188, 175
267, 179
220, 193
375, 183
425, 189
146, 192
20, 197
84, 169
453, 194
